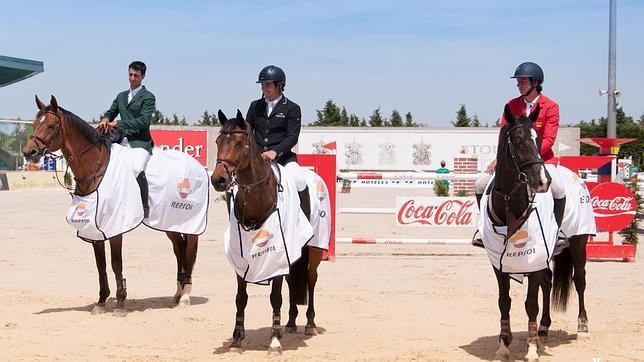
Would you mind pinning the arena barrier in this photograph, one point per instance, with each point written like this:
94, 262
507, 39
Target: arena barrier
399, 241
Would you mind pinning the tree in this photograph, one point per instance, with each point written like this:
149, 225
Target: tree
363, 123
409, 120
157, 117
475, 121
396, 119
462, 120
205, 119
175, 120
183, 121
330, 115
354, 121
375, 120
344, 118
497, 123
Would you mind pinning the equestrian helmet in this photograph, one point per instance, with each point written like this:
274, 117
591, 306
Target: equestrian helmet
271, 73
529, 70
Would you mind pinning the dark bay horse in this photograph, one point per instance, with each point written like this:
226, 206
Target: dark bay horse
239, 162
519, 173
87, 154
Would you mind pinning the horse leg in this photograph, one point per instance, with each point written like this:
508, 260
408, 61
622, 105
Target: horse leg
291, 327
190, 256
505, 336
275, 347
578, 253
546, 287
241, 299
315, 258
101, 266
179, 248
532, 310
117, 267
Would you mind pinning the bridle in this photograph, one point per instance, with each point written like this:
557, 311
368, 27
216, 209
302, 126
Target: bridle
45, 145
242, 162
522, 180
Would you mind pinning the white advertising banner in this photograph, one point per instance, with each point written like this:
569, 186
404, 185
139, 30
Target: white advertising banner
400, 149
436, 211
389, 149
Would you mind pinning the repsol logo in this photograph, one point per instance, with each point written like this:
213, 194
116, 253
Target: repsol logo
181, 205
79, 221
520, 253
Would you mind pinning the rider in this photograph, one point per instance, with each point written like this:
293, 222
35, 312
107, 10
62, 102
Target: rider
276, 122
135, 106
529, 78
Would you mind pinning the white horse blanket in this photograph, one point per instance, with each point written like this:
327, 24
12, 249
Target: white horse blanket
259, 255
178, 197
320, 210
517, 256
530, 248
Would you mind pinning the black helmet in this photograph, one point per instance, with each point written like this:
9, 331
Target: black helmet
271, 73
529, 70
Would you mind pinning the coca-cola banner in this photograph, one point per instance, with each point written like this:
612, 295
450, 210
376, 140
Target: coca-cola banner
436, 211
614, 206
194, 143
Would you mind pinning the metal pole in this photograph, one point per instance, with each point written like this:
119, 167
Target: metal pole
612, 109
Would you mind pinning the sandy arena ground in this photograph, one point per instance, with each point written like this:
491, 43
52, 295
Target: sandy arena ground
375, 302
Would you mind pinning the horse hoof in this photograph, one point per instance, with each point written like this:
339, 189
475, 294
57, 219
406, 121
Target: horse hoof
275, 348
583, 336
98, 309
120, 313
184, 301
532, 355
503, 352
235, 347
290, 329
310, 331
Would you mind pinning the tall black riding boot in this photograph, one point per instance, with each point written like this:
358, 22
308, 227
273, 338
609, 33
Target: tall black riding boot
478, 200
143, 185
562, 241
305, 202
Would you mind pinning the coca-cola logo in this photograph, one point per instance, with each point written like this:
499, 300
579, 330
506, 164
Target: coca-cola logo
436, 212
614, 206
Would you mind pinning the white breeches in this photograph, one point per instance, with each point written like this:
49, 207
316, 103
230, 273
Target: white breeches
138, 156
298, 175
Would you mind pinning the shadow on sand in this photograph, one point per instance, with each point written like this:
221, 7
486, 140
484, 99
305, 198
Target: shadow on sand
131, 305
258, 340
484, 348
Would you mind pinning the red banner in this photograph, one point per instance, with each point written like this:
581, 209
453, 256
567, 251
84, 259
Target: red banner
614, 206
436, 211
194, 143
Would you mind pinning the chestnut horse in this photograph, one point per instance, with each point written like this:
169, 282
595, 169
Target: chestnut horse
87, 153
239, 162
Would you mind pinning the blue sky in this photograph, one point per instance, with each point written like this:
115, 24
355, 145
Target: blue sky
427, 57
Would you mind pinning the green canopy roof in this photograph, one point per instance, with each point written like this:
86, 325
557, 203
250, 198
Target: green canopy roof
15, 69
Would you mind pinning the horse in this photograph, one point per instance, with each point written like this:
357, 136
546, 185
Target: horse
520, 175
88, 153
240, 164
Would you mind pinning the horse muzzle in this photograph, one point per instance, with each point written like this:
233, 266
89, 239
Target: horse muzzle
33, 154
220, 183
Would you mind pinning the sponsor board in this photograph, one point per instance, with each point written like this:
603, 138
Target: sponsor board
436, 211
614, 206
192, 142
32, 180
392, 183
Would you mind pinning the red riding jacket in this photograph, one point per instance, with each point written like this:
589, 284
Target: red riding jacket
546, 125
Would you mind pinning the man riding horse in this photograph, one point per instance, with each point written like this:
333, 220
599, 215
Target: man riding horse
529, 78
135, 106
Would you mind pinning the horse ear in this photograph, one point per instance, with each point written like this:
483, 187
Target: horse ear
54, 103
535, 113
222, 117
39, 104
507, 113
240, 120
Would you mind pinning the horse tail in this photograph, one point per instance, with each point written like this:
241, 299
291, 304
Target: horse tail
299, 278
563, 269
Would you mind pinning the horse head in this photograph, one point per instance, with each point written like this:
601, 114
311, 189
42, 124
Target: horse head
47, 133
520, 150
234, 148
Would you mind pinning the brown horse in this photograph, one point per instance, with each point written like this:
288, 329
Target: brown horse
239, 162
87, 154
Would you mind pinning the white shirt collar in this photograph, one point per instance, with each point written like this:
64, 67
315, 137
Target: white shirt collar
530, 105
273, 102
133, 92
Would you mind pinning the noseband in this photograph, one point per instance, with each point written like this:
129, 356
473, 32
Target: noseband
520, 166
44, 145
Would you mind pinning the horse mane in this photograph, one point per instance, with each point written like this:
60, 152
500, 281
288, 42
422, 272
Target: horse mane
80, 125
